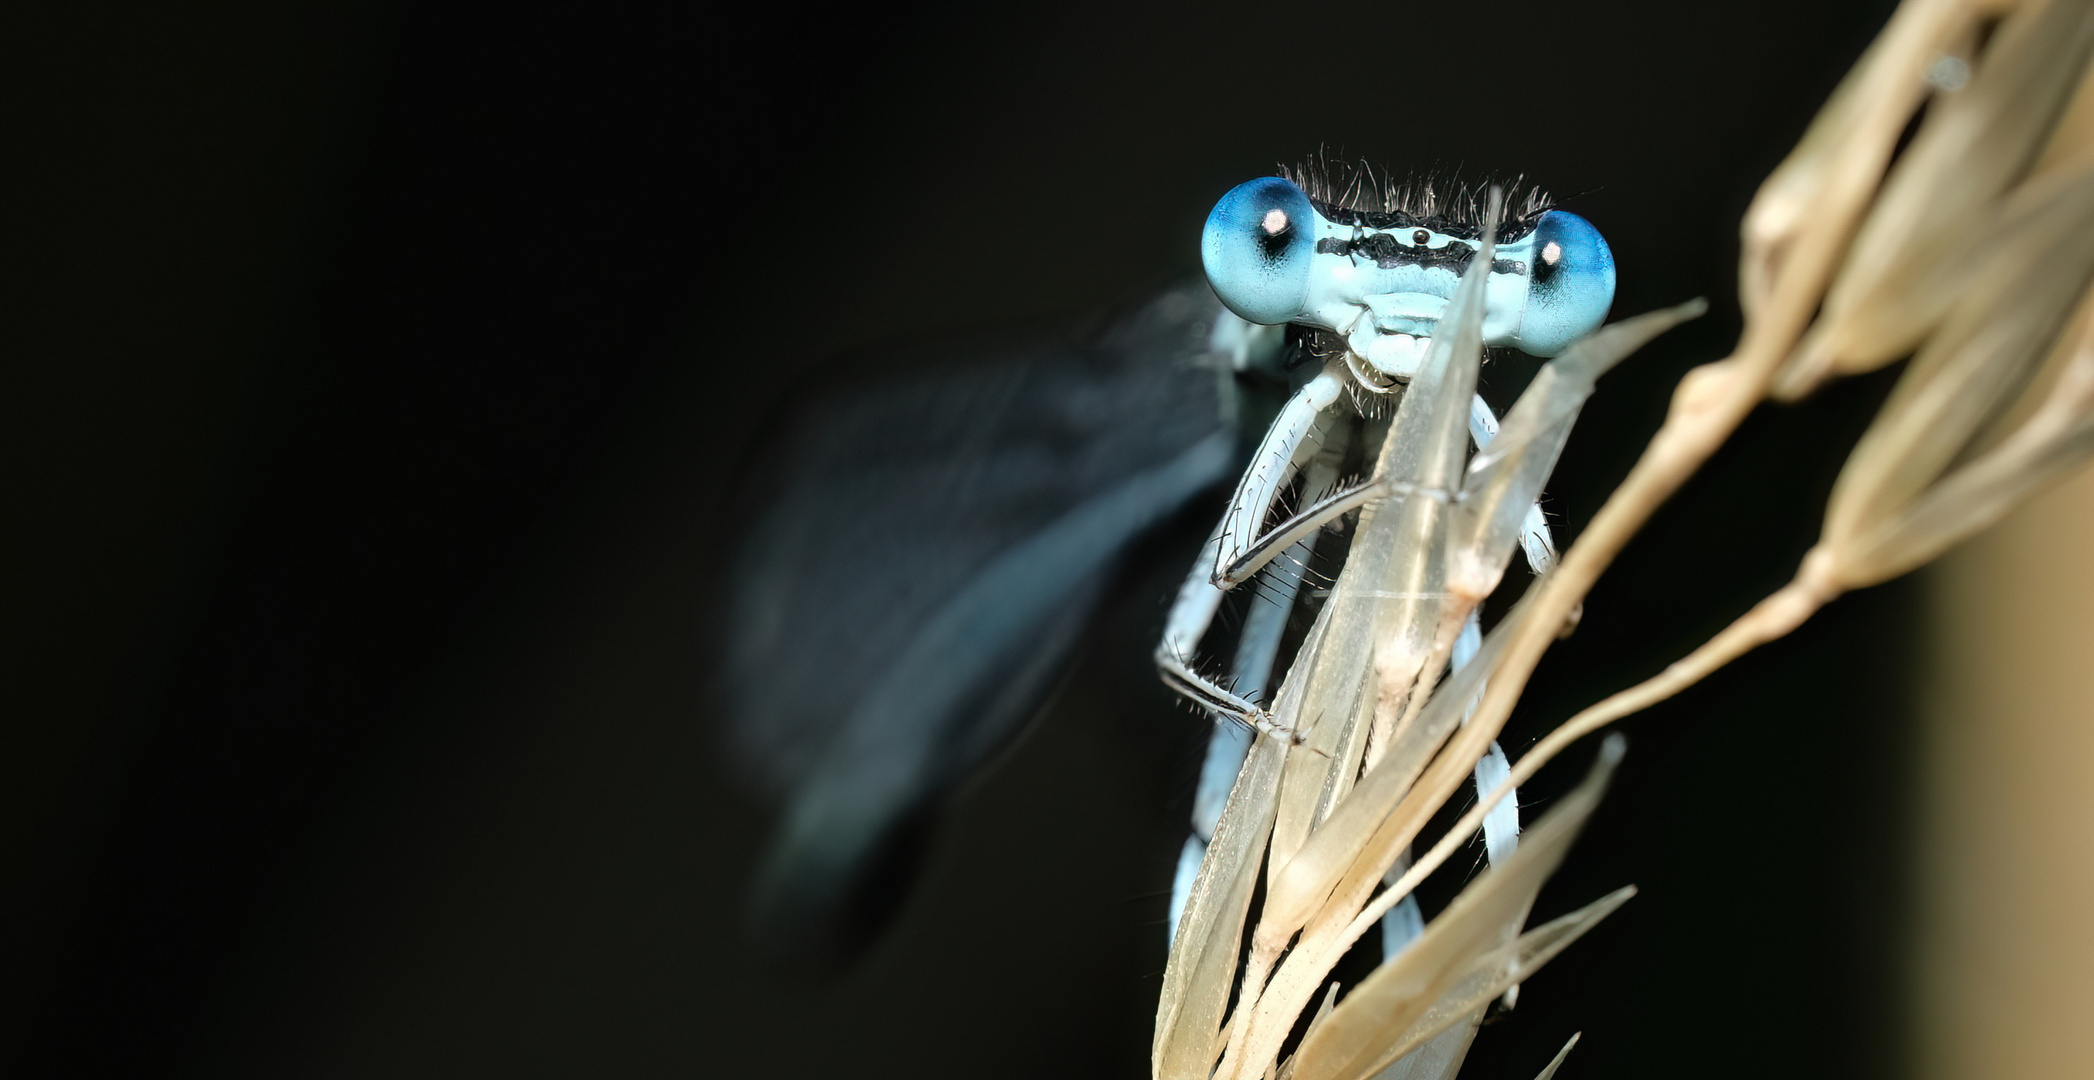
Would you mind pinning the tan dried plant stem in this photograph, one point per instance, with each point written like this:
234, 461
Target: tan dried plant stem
1896, 506
2021, 296
1844, 269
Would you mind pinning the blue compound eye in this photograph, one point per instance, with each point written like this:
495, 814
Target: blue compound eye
1257, 249
1572, 284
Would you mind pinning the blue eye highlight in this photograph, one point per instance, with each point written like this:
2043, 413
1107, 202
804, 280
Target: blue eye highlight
1257, 248
1571, 284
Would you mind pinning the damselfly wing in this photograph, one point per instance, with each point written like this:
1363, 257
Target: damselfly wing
929, 547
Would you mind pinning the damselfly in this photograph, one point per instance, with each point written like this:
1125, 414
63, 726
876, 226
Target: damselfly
1000, 489
1363, 269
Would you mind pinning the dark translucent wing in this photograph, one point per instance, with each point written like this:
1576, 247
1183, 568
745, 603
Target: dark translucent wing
933, 545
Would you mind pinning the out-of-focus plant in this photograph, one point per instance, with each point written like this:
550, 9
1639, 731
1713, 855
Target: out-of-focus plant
1970, 252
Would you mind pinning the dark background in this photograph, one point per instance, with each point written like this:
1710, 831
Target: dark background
375, 380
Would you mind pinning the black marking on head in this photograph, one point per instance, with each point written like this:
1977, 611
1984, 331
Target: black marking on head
1353, 193
1389, 253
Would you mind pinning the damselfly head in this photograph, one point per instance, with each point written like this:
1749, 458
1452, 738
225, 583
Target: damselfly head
1333, 246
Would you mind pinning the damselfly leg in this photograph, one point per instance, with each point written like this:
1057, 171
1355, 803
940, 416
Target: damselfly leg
1238, 551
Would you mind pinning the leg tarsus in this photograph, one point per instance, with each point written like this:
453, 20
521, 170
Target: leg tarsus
1208, 695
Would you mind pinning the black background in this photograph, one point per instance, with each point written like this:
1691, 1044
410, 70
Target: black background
376, 378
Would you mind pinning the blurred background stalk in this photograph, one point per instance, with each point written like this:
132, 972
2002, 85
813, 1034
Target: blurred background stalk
2003, 943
